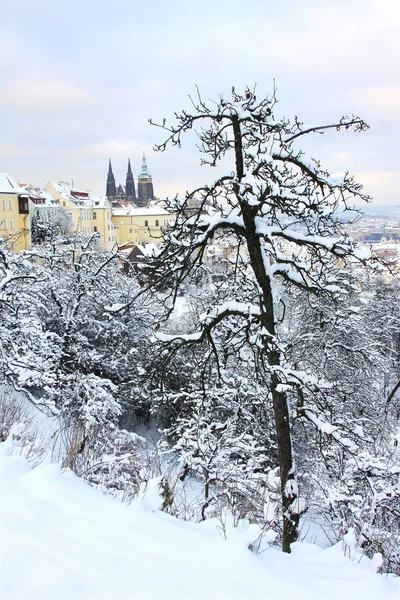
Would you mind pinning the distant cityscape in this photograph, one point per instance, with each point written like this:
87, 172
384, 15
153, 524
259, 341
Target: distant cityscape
380, 222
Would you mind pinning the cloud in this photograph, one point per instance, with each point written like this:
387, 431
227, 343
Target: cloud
374, 178
118, 148
44, 94
343, 155
7, 150
382, 186
383, 98
337, 39
71, 106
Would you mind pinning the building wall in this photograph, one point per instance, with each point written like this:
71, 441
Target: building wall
89, 219
81, 216
109, 233
141, 229
14, 227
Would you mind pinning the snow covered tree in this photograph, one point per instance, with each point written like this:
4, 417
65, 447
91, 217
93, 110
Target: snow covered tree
278, 212
82, 289
355, 347
46, 227
27, 353
221, 440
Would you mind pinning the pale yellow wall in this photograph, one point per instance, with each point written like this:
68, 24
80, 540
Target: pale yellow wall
13, 226
108, 230
140, 229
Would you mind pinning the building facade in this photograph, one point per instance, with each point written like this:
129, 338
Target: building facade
14, 214
88, 214
140, 225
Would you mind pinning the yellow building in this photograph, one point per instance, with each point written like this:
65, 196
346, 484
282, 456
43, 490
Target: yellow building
103, 223
88, 215
140, 225
14, 214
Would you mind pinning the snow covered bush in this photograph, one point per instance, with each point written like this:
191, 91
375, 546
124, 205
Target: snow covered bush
220, 441
69, 347
17, 432
366, 498
349, 470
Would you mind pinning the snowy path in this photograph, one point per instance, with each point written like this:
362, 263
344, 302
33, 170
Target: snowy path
62, 540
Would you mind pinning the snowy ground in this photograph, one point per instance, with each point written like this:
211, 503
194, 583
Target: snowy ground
62, 540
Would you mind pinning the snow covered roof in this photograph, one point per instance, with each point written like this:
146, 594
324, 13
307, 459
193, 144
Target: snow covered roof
69, 193
8, 185
79, 197
62, 187
98, 202
49, 200
139, 212
149, 249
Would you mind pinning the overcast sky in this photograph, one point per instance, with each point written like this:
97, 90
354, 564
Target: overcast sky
81, 78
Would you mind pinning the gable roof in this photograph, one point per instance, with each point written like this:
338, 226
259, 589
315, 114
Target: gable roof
9, 186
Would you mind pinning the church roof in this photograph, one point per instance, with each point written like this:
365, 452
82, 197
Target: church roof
144, 173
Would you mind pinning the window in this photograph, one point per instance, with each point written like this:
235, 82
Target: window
63, 202
94, 215
109, 228
109, 239
23, 206
146, 223
156, 222
4, 204
5, 224
11, 224
94, 228
131, 231
10, 204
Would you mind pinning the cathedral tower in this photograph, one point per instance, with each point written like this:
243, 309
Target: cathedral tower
110, 188
130, 193
145, 186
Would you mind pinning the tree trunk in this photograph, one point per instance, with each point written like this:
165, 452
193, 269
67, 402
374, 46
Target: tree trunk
287, 471
289, 492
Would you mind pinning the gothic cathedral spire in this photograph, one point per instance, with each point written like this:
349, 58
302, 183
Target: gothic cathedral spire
110, 187
130, 193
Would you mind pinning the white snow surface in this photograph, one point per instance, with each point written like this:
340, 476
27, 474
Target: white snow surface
9, 186
63, 540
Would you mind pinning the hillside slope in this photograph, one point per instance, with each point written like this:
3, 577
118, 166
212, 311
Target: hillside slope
63, 540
